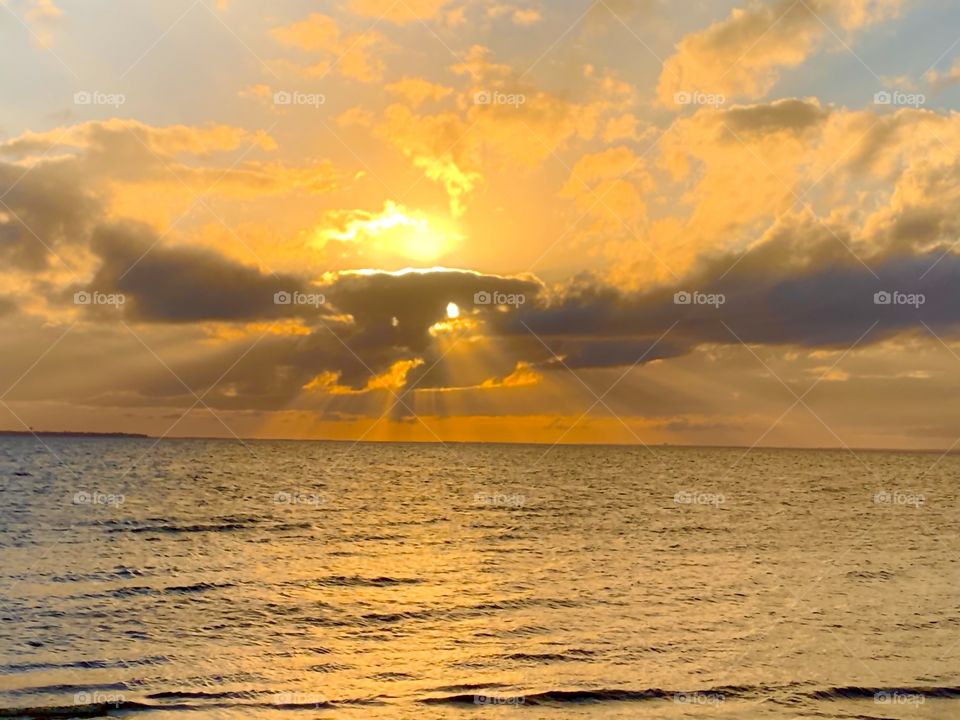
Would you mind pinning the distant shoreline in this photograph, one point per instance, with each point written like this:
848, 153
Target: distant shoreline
70, 434
654, 446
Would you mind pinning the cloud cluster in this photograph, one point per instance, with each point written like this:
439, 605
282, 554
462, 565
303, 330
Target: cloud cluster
743, 55
354, 55
803, 282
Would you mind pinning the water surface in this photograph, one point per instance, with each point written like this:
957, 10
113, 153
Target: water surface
210, 579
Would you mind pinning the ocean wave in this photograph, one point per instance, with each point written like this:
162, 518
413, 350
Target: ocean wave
93, 710
358, 581
728, 692
85, 664
854, 692
566, 656
553, 696
206, 695
209, 701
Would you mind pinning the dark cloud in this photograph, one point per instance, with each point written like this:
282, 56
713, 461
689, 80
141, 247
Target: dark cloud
782, 115
42, 209
770, 297
162, 283
398, 309
353, 336
801, 288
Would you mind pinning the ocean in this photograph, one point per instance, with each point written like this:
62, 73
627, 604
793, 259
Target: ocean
214, 579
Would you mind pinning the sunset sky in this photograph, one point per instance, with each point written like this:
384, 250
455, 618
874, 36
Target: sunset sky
451, 220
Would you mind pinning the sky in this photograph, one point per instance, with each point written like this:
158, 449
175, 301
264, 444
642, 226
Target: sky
609, 221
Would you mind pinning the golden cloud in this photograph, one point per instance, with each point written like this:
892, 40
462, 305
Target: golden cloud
743, 55
353, 55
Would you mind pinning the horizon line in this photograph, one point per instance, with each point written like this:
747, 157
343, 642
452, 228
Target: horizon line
120, 435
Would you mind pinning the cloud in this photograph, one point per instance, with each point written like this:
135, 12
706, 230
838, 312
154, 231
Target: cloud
417, 91
500, 122
519, 16
939, 81
623, 127
353, 55
431, 144
131, 137
400, 13
172, 284
43, 16
43, 210
129, 169
743, 55
399, 308
801, 287
372, 335
791, 116
611, 188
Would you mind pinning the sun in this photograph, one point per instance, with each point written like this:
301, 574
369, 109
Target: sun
453, 311
398, 230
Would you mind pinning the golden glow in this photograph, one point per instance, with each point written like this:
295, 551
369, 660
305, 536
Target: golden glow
453, 311
397, 230
392, 379
522, 376
462, 326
